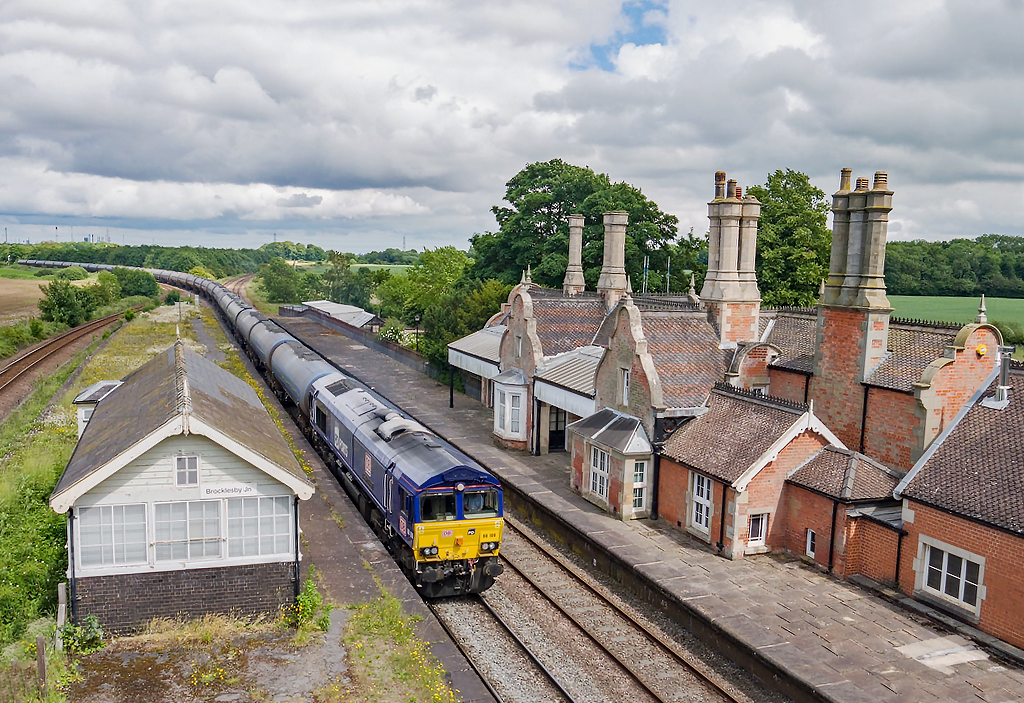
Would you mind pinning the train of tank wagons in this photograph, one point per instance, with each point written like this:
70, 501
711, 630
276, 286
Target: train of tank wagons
436, 510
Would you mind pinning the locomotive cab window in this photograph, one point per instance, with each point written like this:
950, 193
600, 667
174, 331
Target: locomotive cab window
319, 416
480, 504
437, 507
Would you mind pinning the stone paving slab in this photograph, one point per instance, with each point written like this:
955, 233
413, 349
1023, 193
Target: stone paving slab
833, 635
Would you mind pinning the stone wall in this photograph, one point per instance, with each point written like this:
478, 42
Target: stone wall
124, 602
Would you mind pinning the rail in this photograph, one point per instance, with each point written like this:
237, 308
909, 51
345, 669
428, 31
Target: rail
653, 636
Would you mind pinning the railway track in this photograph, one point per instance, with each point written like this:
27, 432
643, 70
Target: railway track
237, 285
19, 366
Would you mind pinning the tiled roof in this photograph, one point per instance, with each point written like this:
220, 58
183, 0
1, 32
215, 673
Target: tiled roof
725, 441
911, 349
846, 475
174, 382
685, 351
794, 334
978, 469
564, 324
573, 370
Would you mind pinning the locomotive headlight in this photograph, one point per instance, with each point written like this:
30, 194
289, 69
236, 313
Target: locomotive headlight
428, 551
488, 546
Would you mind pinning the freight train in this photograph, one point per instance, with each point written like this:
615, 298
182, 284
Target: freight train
436, 510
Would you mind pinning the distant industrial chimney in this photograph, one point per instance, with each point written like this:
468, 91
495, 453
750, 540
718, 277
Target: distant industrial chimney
574, 283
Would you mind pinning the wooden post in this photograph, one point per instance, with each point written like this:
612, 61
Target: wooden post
41, 661
62, 615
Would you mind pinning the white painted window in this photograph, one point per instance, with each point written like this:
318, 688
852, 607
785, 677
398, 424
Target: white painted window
599, 471
501, 409
187, 531
701, 499
258, 526
112, 534
953, 576
758, 529
812, 543
514, 402
186, 471
519, 345
624, 387
639, 484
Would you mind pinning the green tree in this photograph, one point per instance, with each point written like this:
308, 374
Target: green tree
423, 284
136, 282
282, 283
61, 303
793, 241
392, 331
533, 227
203, 272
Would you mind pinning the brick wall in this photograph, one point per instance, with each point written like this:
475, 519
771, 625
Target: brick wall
622, 354
125, 602
737, 322
784, 384
805, 510
1001, 613
893, 423
753, 369
872, 550
835, 389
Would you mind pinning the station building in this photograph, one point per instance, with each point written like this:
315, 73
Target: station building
181, 498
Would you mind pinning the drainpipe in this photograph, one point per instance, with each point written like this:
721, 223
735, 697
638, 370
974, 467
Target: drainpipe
864, 419
297, 575
899, 552
807, 387
536, 424
71, 561
451, 387
721, 526
655, 472
832, 536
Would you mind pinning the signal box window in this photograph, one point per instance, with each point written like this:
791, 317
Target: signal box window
437, 507
186, 471
480, 504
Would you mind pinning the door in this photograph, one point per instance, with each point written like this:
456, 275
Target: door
556, 430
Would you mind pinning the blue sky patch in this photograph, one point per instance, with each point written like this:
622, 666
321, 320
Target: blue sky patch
638, 32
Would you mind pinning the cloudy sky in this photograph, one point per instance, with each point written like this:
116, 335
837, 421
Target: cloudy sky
355, 123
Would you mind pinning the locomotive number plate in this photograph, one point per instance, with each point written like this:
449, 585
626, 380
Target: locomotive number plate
367, 465
401, 525
447, 533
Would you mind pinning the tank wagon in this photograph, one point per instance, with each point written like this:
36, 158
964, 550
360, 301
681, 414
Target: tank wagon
436, 510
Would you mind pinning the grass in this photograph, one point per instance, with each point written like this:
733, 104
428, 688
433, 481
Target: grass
949, 309
27, 273
258, 297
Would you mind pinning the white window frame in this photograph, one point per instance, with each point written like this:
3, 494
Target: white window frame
519, 345
600, 462
264, 525
639, 485
702, 494
510, 413
810, 543
924, 569
757, 540
112, 527
189, 539
624, 386
178, 471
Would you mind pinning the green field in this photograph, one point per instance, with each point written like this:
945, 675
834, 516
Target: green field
948, 309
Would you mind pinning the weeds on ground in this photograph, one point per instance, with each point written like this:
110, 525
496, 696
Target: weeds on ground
387, 657
309, 612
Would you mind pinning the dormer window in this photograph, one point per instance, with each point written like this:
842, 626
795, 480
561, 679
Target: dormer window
186, 471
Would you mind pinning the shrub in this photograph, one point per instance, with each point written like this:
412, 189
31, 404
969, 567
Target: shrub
73, 273
1013, 332
392, 331
85, 638
129, 315
172, 297
36, 328
61, 303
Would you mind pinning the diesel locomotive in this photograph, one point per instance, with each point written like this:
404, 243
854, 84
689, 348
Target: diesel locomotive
435, 509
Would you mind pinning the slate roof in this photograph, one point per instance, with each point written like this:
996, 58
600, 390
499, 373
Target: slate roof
615, 430
564, 324
978, 469
349, 314
174, 382
685, 351
737, 429
846, 475
911, 349
795, 336
574, 371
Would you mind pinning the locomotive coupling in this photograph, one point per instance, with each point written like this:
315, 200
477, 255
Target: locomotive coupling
493, 568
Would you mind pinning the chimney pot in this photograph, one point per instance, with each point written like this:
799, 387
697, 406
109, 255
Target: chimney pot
862, 184
844, 179
719, 185
730, 189
881, 180
739, 192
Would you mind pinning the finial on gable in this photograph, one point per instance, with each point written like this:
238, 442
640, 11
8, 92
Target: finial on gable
821, 289
982, 317
529, 275
522, 278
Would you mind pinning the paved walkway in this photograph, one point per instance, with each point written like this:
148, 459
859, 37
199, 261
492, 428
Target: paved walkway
851, 645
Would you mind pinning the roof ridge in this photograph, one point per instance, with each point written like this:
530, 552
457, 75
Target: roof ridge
182, 392
756, 396
917, 322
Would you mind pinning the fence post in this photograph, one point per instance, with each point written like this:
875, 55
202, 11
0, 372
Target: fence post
62, 614
41, 661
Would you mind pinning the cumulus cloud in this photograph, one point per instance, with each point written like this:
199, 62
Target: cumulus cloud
387, 115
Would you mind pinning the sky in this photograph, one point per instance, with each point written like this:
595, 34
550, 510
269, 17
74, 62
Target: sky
363, 124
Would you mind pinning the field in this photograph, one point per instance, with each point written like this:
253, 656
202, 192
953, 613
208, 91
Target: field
948, 309
18, 299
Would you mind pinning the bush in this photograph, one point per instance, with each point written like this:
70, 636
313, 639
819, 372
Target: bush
136, 282
392, 331
62, 303
129, 315
36, 328
73, 273
172, 297
1013, 332
85, 638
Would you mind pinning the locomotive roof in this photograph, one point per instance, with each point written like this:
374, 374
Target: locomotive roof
420, 458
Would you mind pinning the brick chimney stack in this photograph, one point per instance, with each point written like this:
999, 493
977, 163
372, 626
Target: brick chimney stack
573, 283
612, 284
730, 287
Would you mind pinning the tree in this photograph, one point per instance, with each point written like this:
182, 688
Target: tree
423, 284
202, 272
793, 241
61, 303
281, 282
533, 228
136, 282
